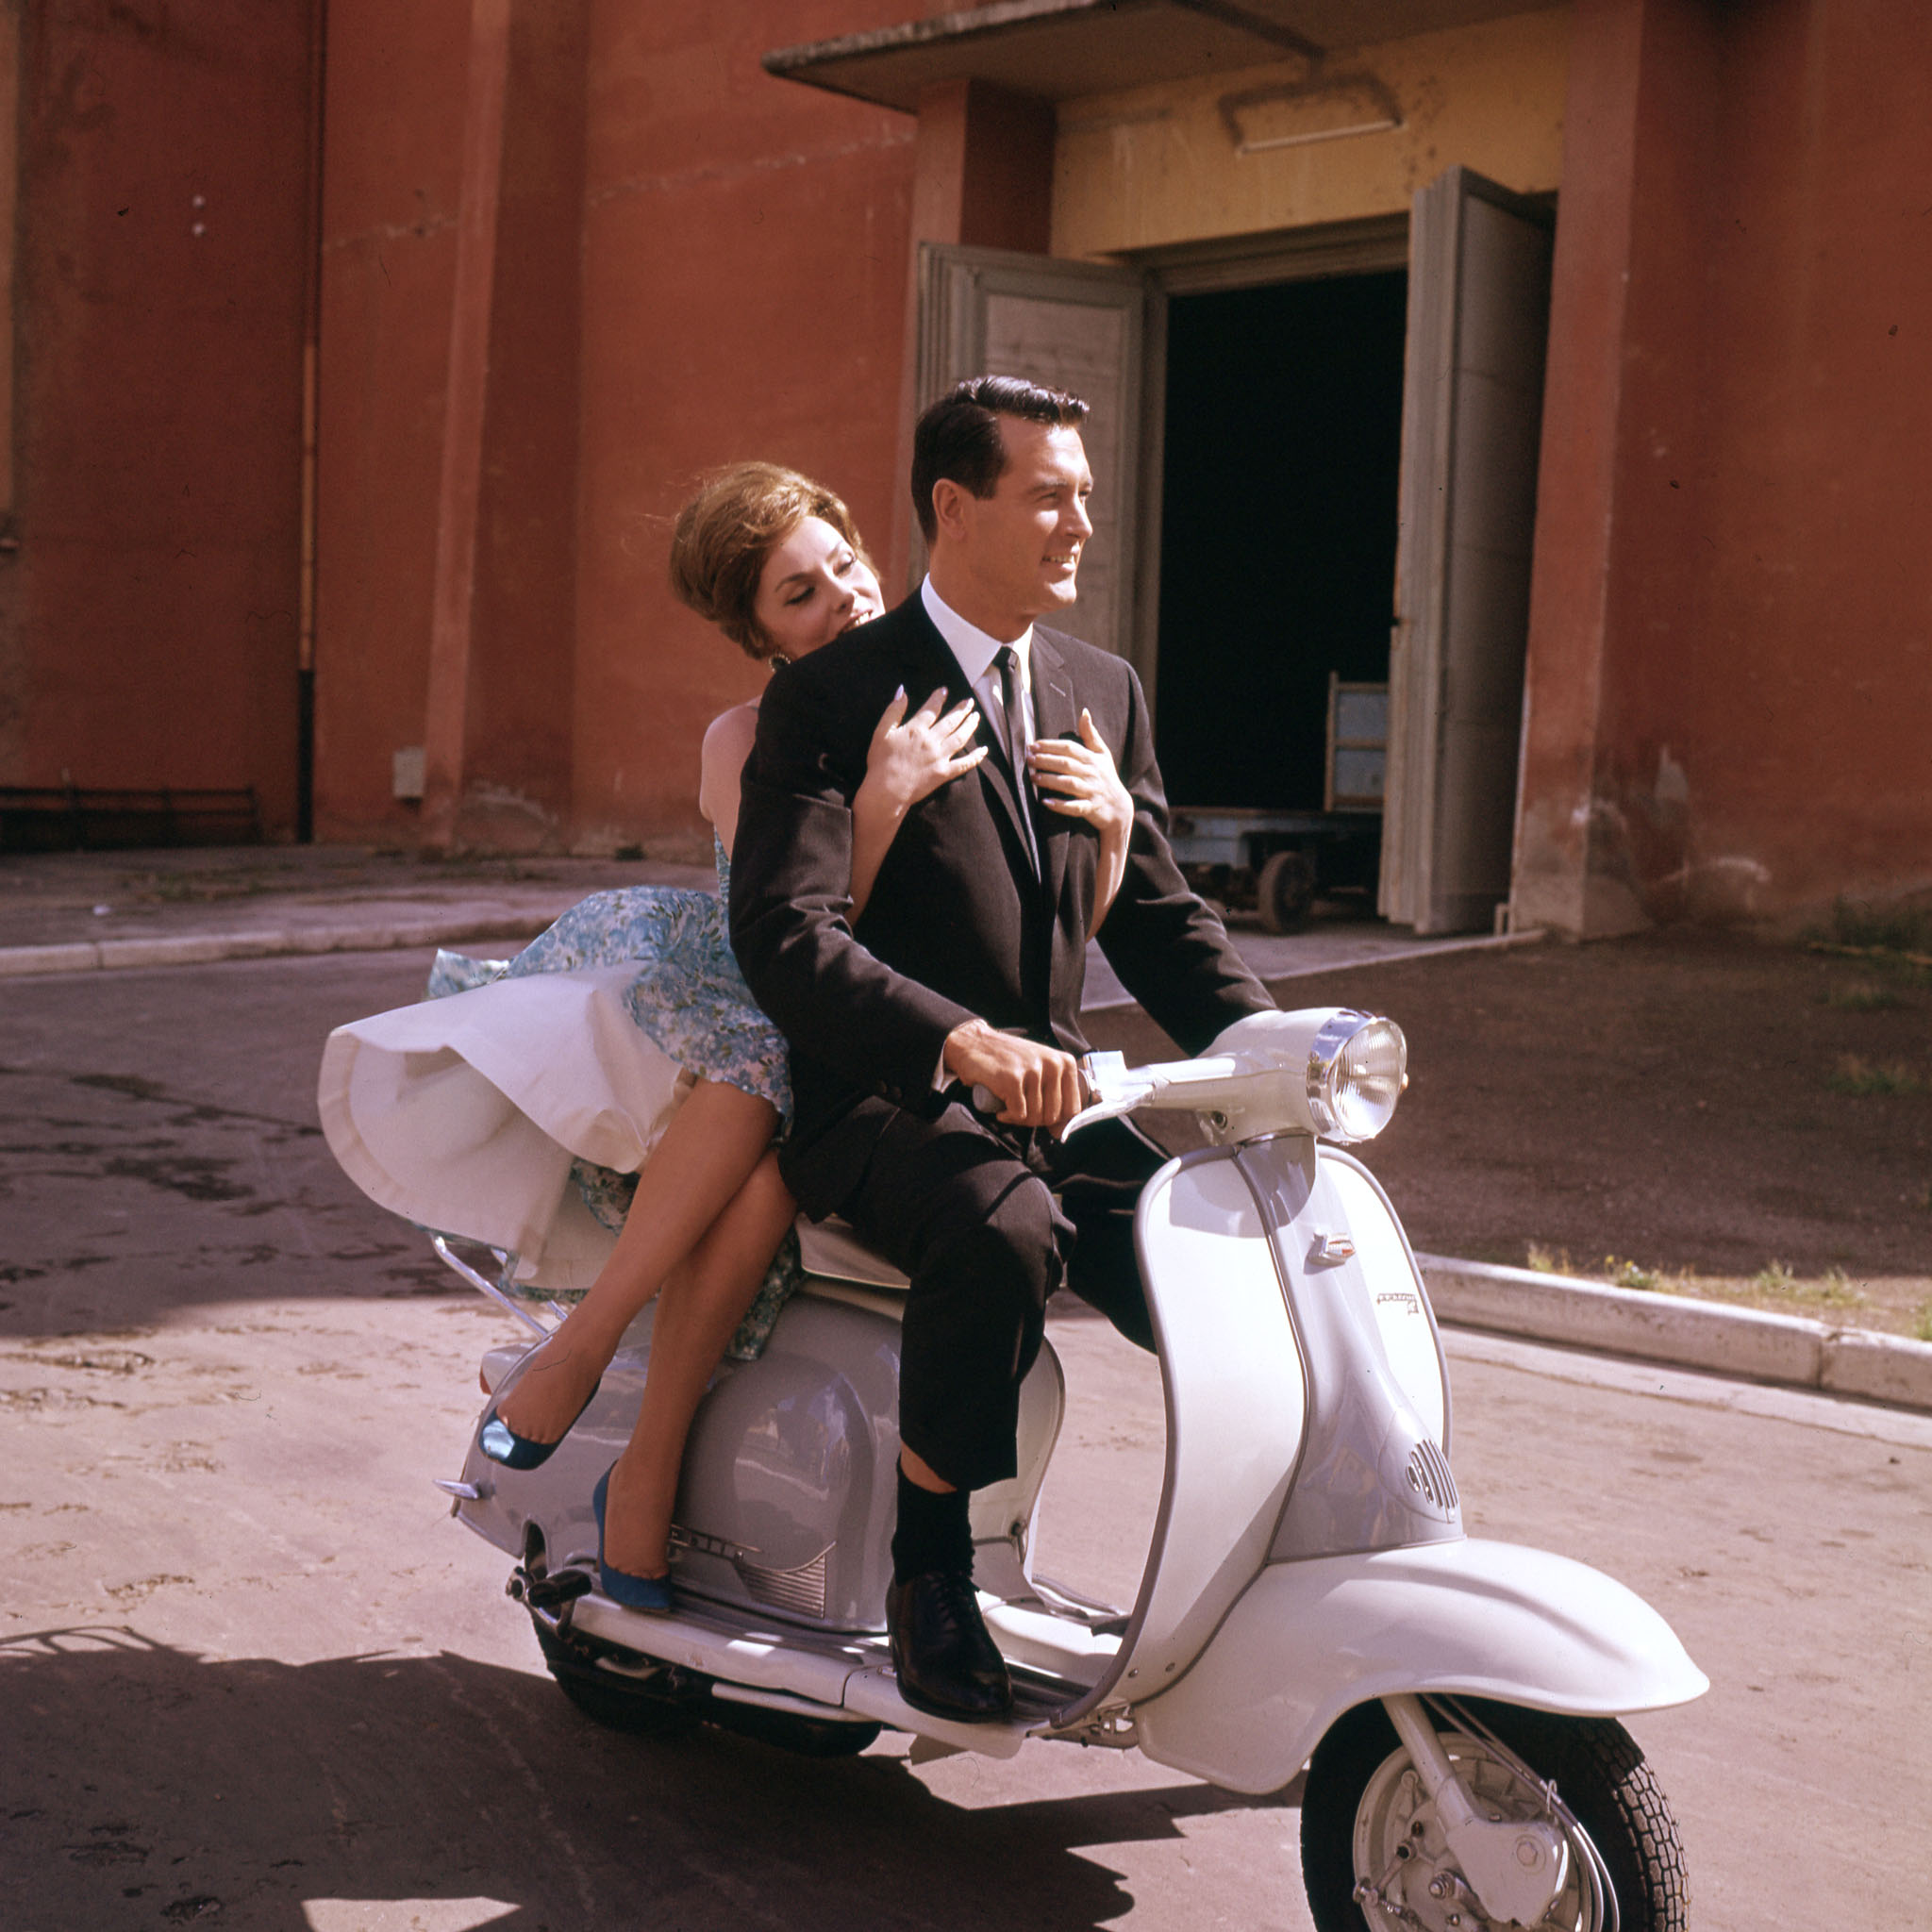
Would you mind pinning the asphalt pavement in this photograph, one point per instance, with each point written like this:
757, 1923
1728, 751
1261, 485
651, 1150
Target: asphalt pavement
256, 1676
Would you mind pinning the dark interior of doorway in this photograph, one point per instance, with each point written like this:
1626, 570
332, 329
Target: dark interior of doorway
1278, 550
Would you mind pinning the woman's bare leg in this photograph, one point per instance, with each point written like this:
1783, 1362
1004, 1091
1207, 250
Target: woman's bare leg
713, 1141
703, 1302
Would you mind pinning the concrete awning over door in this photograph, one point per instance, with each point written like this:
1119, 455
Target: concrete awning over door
1057, 49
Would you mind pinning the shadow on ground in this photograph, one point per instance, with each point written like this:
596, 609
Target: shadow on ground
144, 1785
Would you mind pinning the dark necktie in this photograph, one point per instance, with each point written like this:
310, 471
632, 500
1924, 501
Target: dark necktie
1012, 695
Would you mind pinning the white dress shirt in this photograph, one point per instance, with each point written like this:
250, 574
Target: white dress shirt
975, 652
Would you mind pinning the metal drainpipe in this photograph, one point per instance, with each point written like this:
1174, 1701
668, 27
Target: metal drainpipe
311, 338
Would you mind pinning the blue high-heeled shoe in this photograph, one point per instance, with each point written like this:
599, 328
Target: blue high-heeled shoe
651, 1594
501, 1443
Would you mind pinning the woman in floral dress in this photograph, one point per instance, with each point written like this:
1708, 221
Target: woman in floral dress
443, 1111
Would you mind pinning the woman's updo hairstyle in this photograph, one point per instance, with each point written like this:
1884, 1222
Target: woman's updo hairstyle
725, 534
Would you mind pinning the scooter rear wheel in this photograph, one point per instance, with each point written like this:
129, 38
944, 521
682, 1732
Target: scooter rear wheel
1354, 1817
673, 1703
605, 1697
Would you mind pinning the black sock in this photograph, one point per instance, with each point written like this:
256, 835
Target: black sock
933, 1533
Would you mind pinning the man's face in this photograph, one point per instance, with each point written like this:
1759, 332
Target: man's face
1020, 546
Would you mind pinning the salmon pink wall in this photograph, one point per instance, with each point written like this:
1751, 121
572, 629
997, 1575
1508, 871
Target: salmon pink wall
746, 274
1731, 627
391, 170
159, 276
729, 265
1805, 674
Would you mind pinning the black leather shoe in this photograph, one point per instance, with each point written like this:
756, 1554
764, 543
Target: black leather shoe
947, 1662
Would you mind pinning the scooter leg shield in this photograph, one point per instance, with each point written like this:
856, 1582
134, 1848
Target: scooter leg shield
1308, 1640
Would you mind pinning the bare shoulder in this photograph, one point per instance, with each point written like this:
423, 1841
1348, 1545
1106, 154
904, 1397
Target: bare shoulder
730, 734
727, 745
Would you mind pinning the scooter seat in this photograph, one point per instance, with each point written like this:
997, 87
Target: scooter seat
829, 1248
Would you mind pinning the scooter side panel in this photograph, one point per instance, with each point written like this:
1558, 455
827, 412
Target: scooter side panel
787, 1485
1309, 1640
1403, 1315
787, 1490
1371, 1475
1236, 1401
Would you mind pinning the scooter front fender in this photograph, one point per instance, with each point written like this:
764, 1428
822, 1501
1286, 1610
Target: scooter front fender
1309, 1640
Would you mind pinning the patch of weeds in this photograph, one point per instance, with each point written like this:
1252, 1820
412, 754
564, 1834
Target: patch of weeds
1773, 1279
1893, 939
1889, 928
1921, 1323
1630, 1274
1860, 996
1836, 1291
1546, 1262
1857, 1076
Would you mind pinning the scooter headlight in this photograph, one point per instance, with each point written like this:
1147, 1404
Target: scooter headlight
1357, 1067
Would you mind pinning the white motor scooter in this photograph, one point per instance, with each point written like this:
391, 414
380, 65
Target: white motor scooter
1310, 1597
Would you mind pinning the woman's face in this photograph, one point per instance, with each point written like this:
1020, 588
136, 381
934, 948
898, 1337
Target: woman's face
814, 585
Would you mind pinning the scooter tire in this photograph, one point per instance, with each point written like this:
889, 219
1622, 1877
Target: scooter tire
642, 1708
1596, 1764
616, 1702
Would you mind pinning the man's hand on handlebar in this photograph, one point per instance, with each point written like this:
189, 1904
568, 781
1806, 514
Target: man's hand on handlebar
1036, 1086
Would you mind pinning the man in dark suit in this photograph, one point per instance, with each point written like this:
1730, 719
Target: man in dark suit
964, 971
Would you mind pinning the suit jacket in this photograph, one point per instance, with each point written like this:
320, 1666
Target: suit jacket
958, 925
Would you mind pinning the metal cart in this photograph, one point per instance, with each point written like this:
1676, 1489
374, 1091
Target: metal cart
1276, 863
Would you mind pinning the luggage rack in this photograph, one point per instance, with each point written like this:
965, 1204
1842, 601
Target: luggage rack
504, 1291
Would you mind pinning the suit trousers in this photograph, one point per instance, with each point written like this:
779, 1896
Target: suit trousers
988, 1222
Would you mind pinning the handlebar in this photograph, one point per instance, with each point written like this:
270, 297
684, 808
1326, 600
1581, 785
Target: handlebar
1329, 1071
1110, 1086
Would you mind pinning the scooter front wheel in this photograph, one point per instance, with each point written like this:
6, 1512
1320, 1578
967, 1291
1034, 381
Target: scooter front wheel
1373, 1854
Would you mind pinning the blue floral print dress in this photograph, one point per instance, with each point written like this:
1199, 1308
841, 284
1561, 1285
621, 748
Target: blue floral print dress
690, 1000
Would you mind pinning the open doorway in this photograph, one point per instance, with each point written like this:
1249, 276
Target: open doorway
1280, 469
1268, 412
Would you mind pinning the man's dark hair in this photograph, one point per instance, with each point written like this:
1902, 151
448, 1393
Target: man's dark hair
958, 439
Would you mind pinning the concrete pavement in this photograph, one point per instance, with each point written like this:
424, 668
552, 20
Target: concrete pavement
1791, 1350
256, 1676
86, 912
70, 913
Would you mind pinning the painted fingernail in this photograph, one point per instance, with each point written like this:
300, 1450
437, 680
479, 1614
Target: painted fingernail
899, 694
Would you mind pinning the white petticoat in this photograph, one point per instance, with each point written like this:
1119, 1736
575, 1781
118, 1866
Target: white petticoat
416, 1106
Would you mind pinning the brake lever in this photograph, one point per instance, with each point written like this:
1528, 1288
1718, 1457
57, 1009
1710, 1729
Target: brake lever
1112, 1090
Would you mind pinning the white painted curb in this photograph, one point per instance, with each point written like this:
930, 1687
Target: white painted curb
1885, 1367
69, 958
1745, 1342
